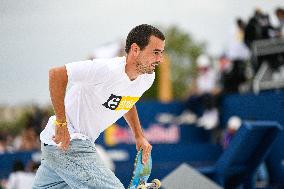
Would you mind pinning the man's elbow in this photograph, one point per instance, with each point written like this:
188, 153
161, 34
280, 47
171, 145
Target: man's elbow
58, 74
51, 74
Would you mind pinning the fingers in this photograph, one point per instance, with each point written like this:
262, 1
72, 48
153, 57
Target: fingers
65, 144
142, 143
146, 153
56, 139
62, 138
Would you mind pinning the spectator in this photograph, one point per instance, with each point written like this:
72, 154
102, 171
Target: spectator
258, 27
233, 125
280, 15
20, 179
238, 54
204, 94
237, 49
28, 140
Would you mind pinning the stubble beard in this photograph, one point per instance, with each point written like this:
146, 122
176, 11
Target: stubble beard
142, 68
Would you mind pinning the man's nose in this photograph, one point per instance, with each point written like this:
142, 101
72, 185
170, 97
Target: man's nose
159, 58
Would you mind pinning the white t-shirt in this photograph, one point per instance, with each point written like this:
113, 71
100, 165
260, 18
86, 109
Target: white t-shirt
20, 179
100, 94
207, 81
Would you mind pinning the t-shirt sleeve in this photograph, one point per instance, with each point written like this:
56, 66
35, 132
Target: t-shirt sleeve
87, 72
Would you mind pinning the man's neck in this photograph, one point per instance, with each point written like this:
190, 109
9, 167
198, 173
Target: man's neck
130, 69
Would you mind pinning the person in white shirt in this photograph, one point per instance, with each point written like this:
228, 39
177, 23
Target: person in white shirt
20, 178
101, 92
201, 105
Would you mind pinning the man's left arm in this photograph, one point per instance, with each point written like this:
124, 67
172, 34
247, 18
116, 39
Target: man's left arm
132, 119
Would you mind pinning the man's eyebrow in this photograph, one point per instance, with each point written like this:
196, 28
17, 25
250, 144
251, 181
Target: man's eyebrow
159, 50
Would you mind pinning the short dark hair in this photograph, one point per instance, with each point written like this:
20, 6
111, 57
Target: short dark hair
141, 36
279, 11
18, 166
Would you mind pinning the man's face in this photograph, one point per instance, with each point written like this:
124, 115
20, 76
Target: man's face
150, 56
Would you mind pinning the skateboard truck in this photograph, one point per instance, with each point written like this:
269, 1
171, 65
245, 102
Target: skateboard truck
155, 184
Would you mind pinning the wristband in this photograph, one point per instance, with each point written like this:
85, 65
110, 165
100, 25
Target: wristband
59, 124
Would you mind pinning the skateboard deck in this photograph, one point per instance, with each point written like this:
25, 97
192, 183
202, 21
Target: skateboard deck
142, 173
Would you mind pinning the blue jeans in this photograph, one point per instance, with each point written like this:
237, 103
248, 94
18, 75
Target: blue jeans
79, 167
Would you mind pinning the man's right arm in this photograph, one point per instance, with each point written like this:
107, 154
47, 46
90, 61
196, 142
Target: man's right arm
58, 80
57, 87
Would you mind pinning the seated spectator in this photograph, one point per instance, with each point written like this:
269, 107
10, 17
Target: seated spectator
19, 178
28, 140
202, 102
233, 125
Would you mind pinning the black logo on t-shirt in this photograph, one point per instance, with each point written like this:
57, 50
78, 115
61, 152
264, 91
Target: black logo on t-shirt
117, 103
112, 102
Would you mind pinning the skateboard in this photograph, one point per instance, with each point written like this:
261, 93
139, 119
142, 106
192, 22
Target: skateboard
141, 174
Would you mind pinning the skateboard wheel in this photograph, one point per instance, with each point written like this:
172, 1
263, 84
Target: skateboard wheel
141, 187
157, 183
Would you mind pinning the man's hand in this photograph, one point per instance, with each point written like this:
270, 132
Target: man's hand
142, 143
62, 137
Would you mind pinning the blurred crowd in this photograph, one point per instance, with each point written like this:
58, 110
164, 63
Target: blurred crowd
21, 176
235, 69
26, 136
239, 62
248, 49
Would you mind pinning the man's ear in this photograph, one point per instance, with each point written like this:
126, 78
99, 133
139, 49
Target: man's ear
135, 49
